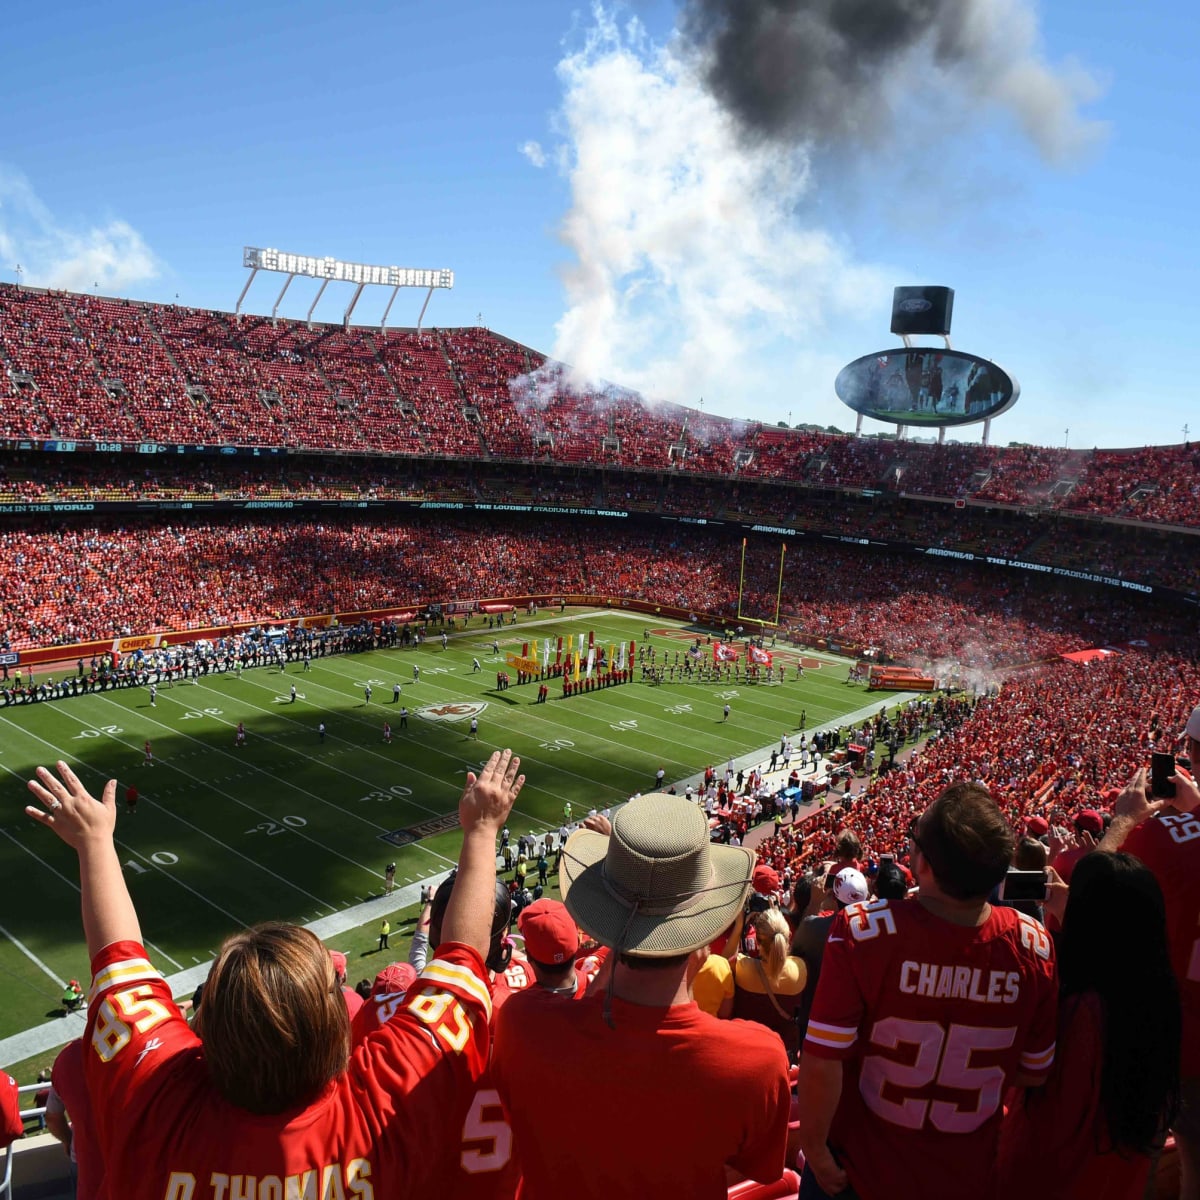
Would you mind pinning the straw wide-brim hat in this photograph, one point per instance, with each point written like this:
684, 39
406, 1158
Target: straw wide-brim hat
656, 887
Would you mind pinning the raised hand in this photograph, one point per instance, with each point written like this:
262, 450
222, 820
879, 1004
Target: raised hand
70, 810
489, 796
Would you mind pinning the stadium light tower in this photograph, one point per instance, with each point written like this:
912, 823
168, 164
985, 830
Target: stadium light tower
335, 270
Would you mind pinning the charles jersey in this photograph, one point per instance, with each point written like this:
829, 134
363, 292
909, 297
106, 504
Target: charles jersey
375, 1131
932, 1021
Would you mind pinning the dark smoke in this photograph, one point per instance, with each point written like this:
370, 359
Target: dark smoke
829, 71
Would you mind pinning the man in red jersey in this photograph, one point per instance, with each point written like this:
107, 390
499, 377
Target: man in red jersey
639, 1053
1169, 845
552, 945
927, 1009
272, 1102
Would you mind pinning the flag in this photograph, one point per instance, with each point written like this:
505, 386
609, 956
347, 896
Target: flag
761, 657
591, 661
621, 657
576, 667
545, 655
612, 658
723, 653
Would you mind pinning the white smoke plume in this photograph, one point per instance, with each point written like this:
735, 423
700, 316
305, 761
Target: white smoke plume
687, 249
112, 255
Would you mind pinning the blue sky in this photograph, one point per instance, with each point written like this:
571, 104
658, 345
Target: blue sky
145, 145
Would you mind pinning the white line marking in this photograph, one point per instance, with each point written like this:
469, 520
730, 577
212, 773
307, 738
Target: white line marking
33, 958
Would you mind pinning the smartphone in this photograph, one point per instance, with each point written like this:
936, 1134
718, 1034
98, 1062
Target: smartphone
886, 858
830, 879
1024, 885
1162, 767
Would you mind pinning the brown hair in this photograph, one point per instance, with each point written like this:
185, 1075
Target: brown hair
966, 841
274, 1022
1031, 855
847, 846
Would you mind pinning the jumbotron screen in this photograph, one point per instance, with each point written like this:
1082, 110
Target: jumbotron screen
926, 386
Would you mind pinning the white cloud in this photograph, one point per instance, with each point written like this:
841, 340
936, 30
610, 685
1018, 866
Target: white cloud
112, 254
689, 255
533, 151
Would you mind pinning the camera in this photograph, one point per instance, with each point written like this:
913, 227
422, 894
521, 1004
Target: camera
426, 894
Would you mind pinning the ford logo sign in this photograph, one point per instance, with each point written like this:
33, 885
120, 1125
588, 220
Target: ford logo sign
915, 305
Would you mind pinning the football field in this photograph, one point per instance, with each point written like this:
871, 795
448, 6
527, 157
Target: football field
297, 826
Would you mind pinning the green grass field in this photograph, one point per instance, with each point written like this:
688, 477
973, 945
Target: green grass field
291, 826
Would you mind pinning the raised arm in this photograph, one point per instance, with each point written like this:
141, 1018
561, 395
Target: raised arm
484, 807
87, 825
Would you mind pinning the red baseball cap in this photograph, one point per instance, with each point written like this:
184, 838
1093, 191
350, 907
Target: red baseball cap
1036, 826
549, 932
395, 977
1090, 821
765, 880
339, 962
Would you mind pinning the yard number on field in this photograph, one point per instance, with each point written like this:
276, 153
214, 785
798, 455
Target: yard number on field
192, 714
271, 828
111, 730
379, 795
160, 858
623, 726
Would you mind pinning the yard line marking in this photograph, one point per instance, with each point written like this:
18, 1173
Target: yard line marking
33, 958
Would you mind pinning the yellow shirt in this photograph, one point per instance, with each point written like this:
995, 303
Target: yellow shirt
713, 984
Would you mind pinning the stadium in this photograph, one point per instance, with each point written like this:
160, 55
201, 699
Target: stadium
186, 493
480, 758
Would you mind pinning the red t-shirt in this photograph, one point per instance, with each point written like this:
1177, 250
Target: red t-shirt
933, 1022
68, 1081
377, 1129
11, 1126
678, 1093
1169, 844
1054, 1136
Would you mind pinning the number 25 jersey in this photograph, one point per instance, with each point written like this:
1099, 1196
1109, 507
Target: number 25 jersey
933, 1022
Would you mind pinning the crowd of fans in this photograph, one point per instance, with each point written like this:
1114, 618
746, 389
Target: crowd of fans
86, 580
90, 368
1057, 740
1109, 549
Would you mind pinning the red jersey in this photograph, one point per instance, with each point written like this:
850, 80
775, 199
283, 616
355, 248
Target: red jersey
729, 1076
375, 1130
933, 1022
516, 977
1170, 846
11, 1125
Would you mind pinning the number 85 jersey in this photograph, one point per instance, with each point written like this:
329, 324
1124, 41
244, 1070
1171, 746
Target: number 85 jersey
933, 1021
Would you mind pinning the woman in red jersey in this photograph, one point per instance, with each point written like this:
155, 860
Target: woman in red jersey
272, 1102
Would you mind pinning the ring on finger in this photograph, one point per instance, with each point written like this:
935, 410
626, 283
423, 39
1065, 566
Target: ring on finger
55, 804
